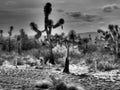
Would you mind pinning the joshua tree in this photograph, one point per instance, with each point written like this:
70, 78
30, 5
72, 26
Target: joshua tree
70, 39
48, 28
85, 41
24, 39
72, 36
1, 34
67, 44
112, 37
90, 38
10, 34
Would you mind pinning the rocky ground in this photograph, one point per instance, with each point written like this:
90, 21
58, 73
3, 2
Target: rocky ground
18, 79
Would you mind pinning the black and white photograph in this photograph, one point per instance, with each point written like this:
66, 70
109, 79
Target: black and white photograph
59, 44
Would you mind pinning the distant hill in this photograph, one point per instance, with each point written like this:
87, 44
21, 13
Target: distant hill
86, 34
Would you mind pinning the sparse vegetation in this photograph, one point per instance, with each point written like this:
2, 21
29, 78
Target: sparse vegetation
72, 58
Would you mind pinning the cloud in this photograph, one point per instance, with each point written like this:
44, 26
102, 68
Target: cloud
10, 3
110, 7
78, 16
60, 10
75, 15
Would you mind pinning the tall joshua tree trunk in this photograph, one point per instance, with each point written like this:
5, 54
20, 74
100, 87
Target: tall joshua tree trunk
52, 61
66, 69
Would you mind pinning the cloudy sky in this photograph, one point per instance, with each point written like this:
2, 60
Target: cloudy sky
80, 15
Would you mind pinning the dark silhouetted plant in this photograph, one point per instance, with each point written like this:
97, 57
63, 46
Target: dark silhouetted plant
112, 37
24, 40
48, 28
69, 40
34, 27
19, 45
10, 34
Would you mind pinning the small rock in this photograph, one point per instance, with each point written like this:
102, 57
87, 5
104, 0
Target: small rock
74, 87
43, 84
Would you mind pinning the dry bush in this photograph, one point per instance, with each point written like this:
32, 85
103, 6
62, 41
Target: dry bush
1, 61
107, 66
75, 55
103, 62
20, 61
61, 86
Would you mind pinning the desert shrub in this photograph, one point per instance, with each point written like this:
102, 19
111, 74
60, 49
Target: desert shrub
1, 61
30, 44
31, 63
61, 86
105, 50
5, 45
59, 58
90, 57
89, 61
36, 54
103, 62
61, 62
20, 62
58, 55
91, 48
44, 84
45, 52
106, 66
72, 88
74, 54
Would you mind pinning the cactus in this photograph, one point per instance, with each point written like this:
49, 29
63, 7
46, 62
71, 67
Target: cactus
10, 34
47, 28
112, 37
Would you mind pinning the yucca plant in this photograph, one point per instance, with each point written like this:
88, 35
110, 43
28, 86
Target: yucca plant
48, 28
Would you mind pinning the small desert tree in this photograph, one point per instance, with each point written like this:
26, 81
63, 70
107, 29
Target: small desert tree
112, 37
69, 40
10, 34
48, 28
